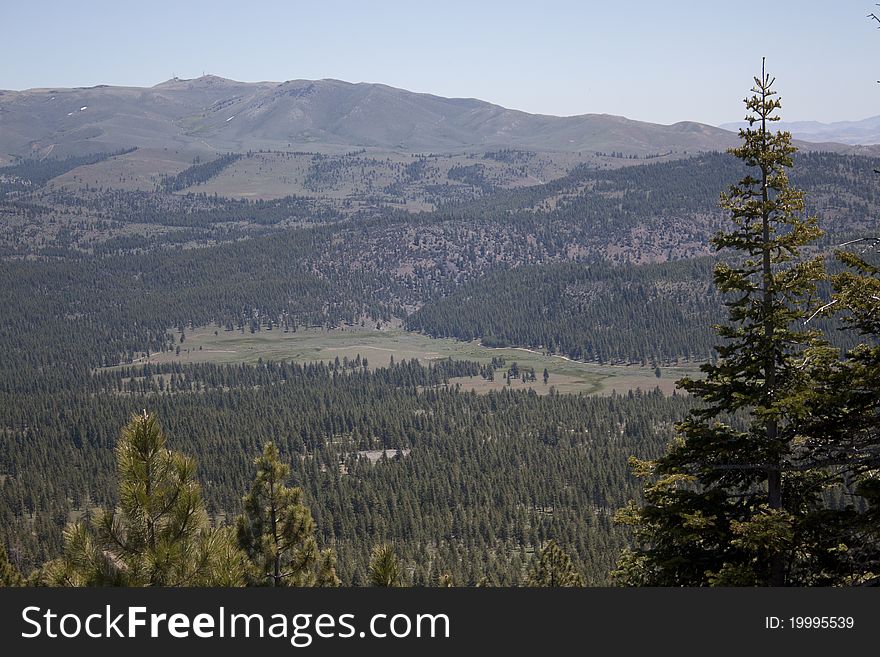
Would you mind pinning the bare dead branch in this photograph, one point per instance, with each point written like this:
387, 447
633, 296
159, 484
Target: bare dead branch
861, 239
823, 308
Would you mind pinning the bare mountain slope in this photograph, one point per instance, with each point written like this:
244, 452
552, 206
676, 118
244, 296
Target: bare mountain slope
334, 112
60, 122
215, 114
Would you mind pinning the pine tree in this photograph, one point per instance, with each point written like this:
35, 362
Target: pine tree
9, 575
553, 568
843, 432
159, 536
277, 532
385, 567
729, 499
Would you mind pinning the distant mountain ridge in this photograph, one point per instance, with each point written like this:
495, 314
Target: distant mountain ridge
864, 132
215, 114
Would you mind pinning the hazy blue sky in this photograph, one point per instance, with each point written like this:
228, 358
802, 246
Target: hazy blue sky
662, 61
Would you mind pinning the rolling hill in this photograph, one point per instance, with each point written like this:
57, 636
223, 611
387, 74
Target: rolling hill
210, 114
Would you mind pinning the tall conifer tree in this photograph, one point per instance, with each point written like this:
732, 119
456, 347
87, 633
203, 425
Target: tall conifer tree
277, 530
728, 499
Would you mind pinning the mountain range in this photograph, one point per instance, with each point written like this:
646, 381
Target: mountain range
215, 114
866, 131
212, 114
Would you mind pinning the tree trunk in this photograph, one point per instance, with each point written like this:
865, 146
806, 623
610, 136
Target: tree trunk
774, 474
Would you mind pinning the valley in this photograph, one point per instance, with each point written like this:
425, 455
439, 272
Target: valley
352, 270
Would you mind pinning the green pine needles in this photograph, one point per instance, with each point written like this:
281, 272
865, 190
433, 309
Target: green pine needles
385, 567
159, 535
277, 531
553, 568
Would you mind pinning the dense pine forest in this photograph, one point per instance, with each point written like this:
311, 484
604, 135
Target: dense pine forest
404, 476
589, 312
466, 485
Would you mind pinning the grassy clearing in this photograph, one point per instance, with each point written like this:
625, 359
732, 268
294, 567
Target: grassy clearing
215, 345
367, 175
140, 170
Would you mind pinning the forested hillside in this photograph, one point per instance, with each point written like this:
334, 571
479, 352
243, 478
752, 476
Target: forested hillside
243, 264
656, 313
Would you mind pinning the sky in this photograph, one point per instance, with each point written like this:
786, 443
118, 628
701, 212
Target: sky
662, 61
